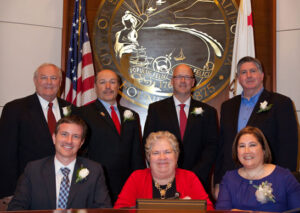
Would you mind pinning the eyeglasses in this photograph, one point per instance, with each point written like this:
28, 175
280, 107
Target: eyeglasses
185, 77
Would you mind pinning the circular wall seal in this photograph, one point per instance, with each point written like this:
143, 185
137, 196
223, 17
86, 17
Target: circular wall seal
143, 40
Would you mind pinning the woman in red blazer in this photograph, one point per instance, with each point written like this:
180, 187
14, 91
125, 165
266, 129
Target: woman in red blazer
162, 180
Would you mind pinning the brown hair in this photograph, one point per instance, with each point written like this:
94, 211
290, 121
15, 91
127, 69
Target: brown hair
257, 133
72, 119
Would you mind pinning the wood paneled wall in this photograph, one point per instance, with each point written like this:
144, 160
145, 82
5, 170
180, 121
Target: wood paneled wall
264, 15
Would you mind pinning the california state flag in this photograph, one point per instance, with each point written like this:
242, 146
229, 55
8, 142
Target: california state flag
243, 43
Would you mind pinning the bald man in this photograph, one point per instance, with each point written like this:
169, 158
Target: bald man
193, 123
114, 139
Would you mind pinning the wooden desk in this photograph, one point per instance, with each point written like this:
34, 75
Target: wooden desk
130, 211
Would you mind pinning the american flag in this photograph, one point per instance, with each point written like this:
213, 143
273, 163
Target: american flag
79, 86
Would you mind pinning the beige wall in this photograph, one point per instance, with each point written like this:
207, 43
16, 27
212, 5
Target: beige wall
30, 35
288, 51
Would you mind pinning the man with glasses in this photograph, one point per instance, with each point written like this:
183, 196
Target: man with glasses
271, 112
193, 123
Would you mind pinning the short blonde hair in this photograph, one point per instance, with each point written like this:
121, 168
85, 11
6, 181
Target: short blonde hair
156, 136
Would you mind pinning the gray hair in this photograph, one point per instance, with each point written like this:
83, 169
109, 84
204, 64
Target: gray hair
248, 59
156, 136
35, 74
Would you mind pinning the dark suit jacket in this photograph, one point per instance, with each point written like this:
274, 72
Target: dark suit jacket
278, 124
36, 188
119, 155
199, 146
24, 136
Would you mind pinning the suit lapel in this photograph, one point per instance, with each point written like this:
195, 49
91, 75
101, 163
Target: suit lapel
61, 105
235, 112
48, 174
265, 96
172, 116
105, 115
75, 187
190, 118
38, 117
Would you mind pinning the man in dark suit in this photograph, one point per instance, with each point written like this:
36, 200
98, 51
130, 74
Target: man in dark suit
45, 185
24, 131
270, 112
114, 138
198, 139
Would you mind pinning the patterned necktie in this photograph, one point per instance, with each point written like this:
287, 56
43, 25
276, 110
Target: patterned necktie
51, 118
182, 118
115, 119
64, 189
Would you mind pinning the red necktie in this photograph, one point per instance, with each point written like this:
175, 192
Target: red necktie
51, 119
182, 118
115, 119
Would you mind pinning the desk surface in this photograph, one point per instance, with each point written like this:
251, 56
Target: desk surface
130, 211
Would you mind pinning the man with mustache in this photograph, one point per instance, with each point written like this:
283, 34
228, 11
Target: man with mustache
27, 125
114, 133
271, 112
193, 123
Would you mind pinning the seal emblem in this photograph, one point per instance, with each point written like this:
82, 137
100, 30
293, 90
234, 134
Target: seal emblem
143, 40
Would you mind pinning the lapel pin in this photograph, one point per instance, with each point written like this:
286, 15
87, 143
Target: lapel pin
102, 113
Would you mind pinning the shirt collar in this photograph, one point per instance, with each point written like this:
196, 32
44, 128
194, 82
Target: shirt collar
254, 98
44, 103
58, 165
177, 102
107, 105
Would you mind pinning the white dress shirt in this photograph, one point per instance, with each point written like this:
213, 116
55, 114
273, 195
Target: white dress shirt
186, 107
59, 175
55, 108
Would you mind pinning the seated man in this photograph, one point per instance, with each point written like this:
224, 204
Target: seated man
62, 181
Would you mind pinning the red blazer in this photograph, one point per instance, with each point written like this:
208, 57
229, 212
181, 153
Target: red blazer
139, 185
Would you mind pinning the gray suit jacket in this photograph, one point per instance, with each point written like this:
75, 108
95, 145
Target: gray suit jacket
36, 188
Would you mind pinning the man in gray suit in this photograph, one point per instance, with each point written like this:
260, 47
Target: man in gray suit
62, 181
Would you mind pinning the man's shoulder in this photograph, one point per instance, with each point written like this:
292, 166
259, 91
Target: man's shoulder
18, 101
277, 97
161, 102
123, 108
63, 102
233, 100
90, 164
40, 163
205, 106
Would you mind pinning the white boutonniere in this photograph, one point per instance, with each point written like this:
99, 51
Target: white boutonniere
81, 174
264, 107
264, 192
197, 111
128, 115
67, 110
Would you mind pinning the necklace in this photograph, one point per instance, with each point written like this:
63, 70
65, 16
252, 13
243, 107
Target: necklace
163, 191
255, 176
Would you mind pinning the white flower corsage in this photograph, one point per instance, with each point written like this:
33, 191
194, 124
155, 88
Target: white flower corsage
264, 106
81, 174
197, 111
264, 192
128, 115
67, 110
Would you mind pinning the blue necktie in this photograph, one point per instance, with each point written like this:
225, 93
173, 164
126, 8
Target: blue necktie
64, 189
